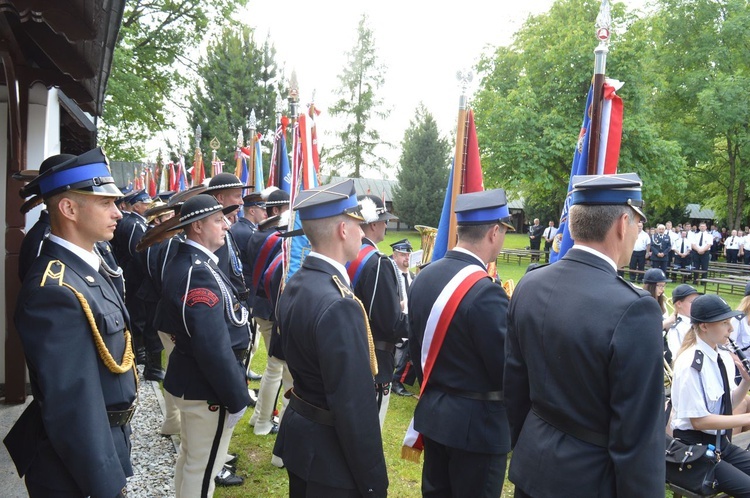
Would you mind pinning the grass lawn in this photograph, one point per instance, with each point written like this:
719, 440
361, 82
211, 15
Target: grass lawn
264, 480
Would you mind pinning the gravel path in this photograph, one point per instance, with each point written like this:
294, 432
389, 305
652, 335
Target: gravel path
153, 455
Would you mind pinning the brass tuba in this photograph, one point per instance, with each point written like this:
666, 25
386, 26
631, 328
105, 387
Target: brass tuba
428, 235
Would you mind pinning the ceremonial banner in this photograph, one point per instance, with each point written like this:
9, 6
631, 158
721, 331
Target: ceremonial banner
280, 175
471, 180
258, 166
609, 152
304, 176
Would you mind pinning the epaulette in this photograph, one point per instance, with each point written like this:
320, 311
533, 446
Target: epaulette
698, 360
55, 271
535, 266
343, 288
640, 292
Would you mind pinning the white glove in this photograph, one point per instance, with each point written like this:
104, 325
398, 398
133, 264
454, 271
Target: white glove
233, 418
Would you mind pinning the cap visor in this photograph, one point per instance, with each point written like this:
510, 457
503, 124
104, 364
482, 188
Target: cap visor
640, 212
105, 190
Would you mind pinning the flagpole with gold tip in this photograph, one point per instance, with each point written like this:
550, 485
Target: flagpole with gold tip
603, 24
464, 79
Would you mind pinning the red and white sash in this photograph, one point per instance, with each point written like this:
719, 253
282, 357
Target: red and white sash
438, 321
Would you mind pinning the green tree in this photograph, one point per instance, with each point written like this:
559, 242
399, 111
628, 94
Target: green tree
702, 102
361, 78
530, 104
236, 76
149, 68
422, 173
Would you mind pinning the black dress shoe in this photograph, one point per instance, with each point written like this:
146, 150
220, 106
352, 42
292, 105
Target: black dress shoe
398, 388
227, 478
274, 429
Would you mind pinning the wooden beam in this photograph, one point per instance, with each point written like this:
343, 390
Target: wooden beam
49, 77
18, 110
64, 17
61, 53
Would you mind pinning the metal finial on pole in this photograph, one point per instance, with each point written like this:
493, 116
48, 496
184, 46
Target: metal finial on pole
278, 107
293, 97
252, 124
198, 137
464, 80
603, 25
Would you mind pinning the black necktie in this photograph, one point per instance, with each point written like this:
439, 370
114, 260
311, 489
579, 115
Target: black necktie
727, 398
701, 241
682, 251
406, 281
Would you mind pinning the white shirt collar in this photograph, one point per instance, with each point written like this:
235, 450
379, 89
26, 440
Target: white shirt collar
203, 249
593, 251
139, 215
341, 269
707, 350
88, 256
466, 251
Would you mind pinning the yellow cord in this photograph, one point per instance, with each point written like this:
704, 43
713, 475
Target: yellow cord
128, 357
346, 291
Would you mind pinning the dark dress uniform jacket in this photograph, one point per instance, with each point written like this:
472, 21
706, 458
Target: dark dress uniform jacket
377, 288
325, 343
258, 301
586, 346
202, 365
471, 359
230, 263
660, 243
67, 441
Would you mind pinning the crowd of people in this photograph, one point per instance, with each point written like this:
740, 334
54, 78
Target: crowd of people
110, 279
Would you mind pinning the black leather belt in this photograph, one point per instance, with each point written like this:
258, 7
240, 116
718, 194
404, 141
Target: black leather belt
571, 428
310, 412
241, 355
118, 418
388, 347
485, 396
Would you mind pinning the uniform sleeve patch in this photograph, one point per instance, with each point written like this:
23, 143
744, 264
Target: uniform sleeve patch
201, 296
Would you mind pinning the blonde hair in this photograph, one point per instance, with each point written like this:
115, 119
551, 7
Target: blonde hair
745, 305
691, 338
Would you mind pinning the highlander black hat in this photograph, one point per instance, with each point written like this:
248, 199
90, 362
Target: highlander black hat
199, 207
712, 308
224, 181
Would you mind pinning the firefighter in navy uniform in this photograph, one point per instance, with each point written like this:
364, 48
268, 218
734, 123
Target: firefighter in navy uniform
329, 438
74, 438
584, 375
460, 413
209, 323
375, 280
129, 232
404, 369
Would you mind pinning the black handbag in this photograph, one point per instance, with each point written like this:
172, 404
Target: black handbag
690, 468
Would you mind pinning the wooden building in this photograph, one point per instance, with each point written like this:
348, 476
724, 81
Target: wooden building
56, 57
